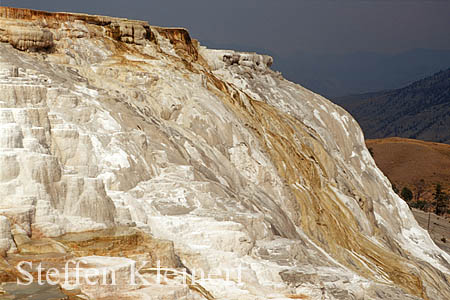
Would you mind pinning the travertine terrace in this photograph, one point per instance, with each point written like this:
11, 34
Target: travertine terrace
122, 142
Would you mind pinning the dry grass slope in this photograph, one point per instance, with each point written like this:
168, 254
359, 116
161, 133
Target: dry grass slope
406, 161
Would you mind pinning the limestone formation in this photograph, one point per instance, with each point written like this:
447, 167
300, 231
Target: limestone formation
6, 241
208, 157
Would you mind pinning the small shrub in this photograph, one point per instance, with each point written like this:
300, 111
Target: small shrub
406, 194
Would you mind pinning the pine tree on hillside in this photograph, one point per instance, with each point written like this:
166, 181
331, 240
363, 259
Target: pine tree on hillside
441, 200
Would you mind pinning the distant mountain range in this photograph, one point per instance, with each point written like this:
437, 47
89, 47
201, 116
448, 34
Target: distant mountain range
420, 110
337, 75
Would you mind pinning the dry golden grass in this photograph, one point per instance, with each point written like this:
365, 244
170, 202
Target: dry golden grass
405, 162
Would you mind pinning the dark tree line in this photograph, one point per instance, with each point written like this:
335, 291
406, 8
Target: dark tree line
439, 206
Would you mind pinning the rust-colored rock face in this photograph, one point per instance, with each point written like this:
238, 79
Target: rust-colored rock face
122, 143
36, 30
181, 41
126, 243
121, 241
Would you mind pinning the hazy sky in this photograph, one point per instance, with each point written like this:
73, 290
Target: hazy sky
286, 26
